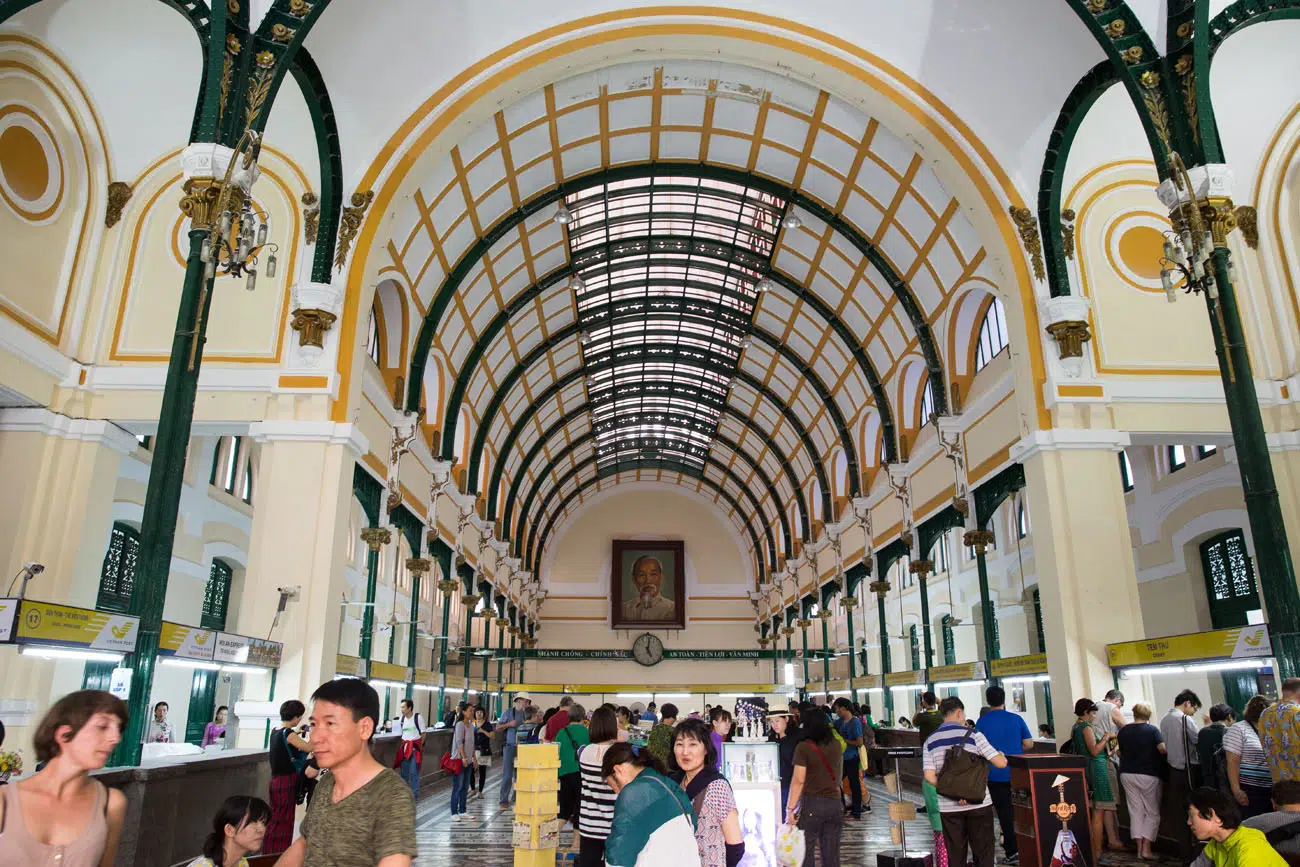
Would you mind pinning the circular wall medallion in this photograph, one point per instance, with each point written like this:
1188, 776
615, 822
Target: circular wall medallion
31, 167
1135, 245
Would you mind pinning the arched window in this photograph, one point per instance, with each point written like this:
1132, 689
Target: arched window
216, 596
927, 402
1177, 456
117, 575
1125, 471
939, 553
228, 458
914, 646
1229, 580
372, 338
1202, 452
993, 335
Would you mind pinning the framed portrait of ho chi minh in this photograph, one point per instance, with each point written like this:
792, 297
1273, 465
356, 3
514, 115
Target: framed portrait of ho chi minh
648, 585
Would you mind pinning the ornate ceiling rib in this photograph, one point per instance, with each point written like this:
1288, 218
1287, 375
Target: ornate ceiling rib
667, 466
663, 458
470, 259
765, 393
580, 412
525, 511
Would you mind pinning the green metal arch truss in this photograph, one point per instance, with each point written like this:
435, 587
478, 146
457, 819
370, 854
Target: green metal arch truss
559, 385
578, 442
664, 465
1245, 13
990, 494
647, 352
934, 527
467, 262
581, 409
524, 300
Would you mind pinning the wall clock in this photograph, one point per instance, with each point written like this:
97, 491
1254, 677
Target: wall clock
648, 650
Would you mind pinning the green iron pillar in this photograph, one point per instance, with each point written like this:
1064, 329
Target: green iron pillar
466, 651
375, 538
886, 665
850, 603
980, 540
417, 566
485, 699
803, 625
826, 649
788, 632
167, 469
921, 569
1277, 581
446, 587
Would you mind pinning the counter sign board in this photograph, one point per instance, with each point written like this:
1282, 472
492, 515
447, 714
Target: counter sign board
1240, 642
8, 610
186, 642
64, 625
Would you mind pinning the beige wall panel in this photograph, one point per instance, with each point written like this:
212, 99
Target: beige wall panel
243, 326
1135, 329
44, 201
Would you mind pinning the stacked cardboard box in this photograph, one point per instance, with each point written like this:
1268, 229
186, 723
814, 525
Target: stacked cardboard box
537, 787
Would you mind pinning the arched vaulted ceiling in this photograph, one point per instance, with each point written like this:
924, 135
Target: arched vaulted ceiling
708, 335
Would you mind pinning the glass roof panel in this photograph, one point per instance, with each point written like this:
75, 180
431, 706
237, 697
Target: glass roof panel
651, 252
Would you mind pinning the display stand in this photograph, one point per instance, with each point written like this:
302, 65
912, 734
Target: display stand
752, 766
1049, 798
537, 824
901, 811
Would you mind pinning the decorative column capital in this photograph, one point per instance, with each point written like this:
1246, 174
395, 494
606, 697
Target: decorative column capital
448, 585
787, 631
316, 307
825, 614
921, 568
803, 623
849, 602
376, 537
1067, 323
419, 565
980, 540
469, 600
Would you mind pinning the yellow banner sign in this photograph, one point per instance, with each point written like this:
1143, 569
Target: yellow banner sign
1241, 642
388, 671
905, 678
349, 666
8, 612
186, 642
1034, 663
425, 678
960, 671
869, 681
46, 623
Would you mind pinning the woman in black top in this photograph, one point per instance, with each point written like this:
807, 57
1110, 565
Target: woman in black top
1141, 754
787, 739
288, 755
482, 749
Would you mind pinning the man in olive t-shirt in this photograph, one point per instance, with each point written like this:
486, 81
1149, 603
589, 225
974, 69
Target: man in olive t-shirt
362, 814
929, 719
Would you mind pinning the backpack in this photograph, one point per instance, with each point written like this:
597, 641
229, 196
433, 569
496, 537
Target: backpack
1219, 771
868, 734
964, 775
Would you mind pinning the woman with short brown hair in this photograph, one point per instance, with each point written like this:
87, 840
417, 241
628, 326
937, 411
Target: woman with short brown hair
60, 815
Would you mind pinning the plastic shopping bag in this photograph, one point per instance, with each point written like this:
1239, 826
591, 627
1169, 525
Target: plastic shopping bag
789, 846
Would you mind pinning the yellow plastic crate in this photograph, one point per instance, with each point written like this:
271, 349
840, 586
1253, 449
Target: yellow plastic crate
537, 832
534, 858
537, 780
538, 756
537, 803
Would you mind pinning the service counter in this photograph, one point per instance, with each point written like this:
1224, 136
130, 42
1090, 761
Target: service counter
910, 769
170, 801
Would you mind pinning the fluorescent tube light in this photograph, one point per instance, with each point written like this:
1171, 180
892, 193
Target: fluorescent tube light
42, 652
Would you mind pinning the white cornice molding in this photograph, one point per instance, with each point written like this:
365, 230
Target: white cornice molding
43, 421
27, 347
1284, 441
1063, 439
305, 431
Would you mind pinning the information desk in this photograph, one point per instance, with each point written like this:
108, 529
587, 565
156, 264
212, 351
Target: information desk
1050, 807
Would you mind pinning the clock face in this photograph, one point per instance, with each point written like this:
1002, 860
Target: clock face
648, 649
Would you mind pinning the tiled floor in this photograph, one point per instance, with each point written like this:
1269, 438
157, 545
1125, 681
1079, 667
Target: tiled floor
485, 841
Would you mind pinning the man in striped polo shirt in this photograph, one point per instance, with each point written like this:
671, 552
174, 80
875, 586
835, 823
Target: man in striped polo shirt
964, 824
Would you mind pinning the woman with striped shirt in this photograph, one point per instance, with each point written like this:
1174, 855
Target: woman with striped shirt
1249, 775
596, 807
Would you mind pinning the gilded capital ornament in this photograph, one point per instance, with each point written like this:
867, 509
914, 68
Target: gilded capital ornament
419, 565
376, 537
804, 623
1067, 232
468, 600
119, 193
849, 602
1248, 223
1070, 335
921, 567
350, 224
980, 540
825, 614
200, 200
880, 588
1028, 228
310, 217
311, 326
787, 631
502, 623
447, 585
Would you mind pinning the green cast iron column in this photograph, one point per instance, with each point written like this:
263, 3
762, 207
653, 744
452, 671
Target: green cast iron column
850, 606
163, 496
803, 628
886, 665
466, 650
927, 641
417, 576
1277, 581
979, 540
485, 700
789, 650
375, 539
826, 654
501, 644
443, 585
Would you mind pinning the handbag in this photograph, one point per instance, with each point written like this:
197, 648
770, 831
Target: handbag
964, 776
450, 765
790, 846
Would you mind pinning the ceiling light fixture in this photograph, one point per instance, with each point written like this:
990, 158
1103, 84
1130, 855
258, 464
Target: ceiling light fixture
563, 215
576, 283
792, 221
763, 285
584, 337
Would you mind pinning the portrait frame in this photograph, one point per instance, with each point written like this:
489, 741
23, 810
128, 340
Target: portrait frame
672, 556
